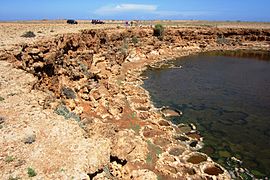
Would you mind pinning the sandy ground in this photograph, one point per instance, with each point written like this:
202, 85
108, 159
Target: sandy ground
11, 32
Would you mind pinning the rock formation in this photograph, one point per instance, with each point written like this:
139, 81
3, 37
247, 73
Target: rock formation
109, 127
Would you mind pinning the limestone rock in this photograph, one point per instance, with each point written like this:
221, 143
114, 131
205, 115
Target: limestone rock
130, 147
143, 174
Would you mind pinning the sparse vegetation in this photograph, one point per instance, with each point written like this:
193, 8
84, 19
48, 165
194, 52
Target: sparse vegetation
133, 115
107, 172
68, 93
124, 48
13, 178
9, 159
119, 82
153, 150
63, 111
2, 99
222, 40
31, 172
29, 34
154, 147
135, 40
207, 25
149, 158
125, 43
135, 127
67, 54
159, 31
84, 68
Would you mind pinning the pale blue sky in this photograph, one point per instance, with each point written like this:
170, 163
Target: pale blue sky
244, 10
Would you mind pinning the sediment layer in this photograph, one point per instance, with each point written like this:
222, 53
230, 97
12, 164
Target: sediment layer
93, 79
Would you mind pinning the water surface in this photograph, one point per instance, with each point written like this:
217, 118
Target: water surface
227, 95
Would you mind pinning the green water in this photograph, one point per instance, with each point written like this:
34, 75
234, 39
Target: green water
227, 96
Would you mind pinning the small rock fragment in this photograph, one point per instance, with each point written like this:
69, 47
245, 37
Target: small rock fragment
30, 139
167, 112
2, 119
176, 151
68, 92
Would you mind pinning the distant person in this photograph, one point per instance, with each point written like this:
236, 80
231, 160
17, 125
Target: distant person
126, 23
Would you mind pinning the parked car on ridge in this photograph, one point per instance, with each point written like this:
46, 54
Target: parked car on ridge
94, 21
72, 21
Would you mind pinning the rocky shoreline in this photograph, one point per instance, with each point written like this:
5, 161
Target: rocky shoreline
93, 79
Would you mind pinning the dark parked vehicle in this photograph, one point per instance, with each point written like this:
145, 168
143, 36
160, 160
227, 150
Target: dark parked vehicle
71, 21
97, 22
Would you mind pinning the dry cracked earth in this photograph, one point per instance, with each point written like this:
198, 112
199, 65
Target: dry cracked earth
72, 105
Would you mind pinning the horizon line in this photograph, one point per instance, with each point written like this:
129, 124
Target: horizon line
105, 19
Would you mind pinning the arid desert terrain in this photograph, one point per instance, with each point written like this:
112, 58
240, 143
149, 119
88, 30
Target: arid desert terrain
72, 105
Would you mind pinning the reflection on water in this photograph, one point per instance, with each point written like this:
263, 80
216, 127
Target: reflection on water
227, 97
